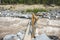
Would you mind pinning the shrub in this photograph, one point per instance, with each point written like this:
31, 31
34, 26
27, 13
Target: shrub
36, 10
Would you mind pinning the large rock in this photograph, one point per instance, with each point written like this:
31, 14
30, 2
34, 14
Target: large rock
9, 25
11, 37
54, 22
42, 37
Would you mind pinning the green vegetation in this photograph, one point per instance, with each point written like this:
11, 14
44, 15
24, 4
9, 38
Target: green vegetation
36, 10
48, 2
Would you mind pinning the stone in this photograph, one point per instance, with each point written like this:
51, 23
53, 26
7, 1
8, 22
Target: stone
42, 37
20, 35
11, 37
53, 37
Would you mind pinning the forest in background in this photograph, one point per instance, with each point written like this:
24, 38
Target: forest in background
29, 2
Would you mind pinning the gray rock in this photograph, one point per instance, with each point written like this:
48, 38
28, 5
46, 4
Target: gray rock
54, 37
9, 13
42, 37
11, 37
20, 35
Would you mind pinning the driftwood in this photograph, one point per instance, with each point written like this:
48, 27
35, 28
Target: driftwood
31, 35
34, 19
27, 35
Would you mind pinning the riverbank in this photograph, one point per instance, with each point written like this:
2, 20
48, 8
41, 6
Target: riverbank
24, 7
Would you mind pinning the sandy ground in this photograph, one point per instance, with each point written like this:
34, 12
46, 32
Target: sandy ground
10, 25
24, 7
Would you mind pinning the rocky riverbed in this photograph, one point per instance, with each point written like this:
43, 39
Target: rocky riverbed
9, 25
11, 22
53, 14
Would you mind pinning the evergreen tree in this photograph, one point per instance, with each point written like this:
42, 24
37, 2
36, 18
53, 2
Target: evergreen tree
29, 2
57, 2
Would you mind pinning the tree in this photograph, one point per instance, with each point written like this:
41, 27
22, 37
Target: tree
36, 1
0, 1
29, 2
58, 2
20, 1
